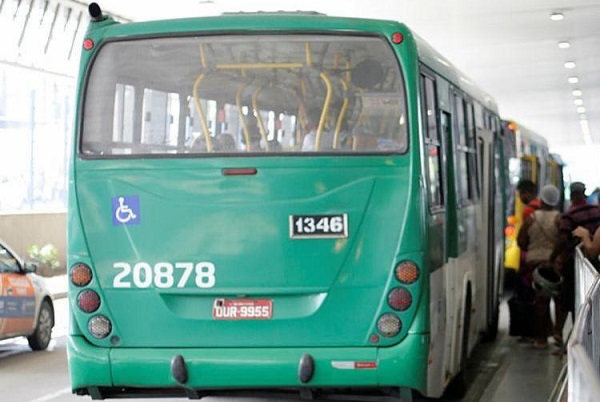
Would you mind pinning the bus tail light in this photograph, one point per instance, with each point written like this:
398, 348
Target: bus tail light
389, 325
81, 275
399, 299
99, 326
407, 272
88, 301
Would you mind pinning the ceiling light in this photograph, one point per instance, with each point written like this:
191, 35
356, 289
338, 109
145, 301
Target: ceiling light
577, 92
570, 64
578, 102
557, 16
564, 44
580, 109
582, 116
573, 80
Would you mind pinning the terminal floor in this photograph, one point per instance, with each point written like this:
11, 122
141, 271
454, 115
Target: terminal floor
510, 371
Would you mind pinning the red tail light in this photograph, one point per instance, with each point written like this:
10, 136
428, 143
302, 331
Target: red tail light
399, 299
88, 301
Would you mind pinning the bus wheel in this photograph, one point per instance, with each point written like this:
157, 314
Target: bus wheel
40, 339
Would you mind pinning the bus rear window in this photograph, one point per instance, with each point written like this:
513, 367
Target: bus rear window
244, 95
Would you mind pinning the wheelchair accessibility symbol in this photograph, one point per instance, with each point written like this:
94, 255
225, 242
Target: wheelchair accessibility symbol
126, 210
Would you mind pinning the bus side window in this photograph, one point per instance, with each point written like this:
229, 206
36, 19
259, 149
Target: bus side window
472, 153
432, 143
461, 154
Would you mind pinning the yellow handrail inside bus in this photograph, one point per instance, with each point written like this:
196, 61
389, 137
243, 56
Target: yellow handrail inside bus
257, 66
200, 110
341, 115
307, 51
261, 125
327, 82
238, 102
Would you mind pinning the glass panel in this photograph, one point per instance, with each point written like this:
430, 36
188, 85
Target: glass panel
8, 263
263, 93
434, 172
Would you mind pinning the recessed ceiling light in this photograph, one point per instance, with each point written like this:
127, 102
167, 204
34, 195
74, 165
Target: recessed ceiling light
580, 109
573, 80
557, 16
570, 64
564, 44
577, 92
578, 102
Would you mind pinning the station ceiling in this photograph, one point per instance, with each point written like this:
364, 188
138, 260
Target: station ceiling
510, 48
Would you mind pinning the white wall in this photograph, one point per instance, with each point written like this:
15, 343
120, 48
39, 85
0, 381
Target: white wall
21, 230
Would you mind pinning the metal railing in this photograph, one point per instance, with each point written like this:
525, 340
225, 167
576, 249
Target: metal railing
583, 347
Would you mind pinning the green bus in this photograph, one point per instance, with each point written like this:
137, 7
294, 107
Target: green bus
271, 203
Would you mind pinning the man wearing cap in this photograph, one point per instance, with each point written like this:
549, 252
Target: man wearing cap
580, 213
538, 237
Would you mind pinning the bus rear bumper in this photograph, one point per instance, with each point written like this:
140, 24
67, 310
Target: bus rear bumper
136, 372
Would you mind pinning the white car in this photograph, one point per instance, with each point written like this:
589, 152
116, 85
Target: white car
26, 307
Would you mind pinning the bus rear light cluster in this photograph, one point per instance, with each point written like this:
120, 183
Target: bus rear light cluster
399, 299
88, 301
389, 325
99, 326
407, 272
81, 275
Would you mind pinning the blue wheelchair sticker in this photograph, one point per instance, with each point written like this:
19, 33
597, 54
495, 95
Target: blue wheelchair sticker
126, 210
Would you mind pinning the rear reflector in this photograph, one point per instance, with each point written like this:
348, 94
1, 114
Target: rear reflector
99, 326
81, 275
239, 171
389, 325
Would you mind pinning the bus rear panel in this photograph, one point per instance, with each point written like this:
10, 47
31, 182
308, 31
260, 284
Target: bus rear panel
218, 241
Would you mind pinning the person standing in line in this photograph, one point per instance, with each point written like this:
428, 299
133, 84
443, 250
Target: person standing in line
580, 213
538, 237
528, 195
591, 245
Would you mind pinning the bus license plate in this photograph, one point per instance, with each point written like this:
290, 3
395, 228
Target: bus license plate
242, 309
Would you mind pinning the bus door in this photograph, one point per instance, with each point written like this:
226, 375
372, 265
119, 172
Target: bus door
491, 220
463, 229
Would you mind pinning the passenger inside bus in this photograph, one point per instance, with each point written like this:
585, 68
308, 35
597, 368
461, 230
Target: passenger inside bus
224, 142
313, 117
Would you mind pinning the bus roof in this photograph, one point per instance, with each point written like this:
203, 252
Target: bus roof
434, 60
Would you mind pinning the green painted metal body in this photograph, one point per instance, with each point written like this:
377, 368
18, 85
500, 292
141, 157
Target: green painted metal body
327, 294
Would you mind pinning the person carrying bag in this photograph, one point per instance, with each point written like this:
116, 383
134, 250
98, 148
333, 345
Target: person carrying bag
538, 237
